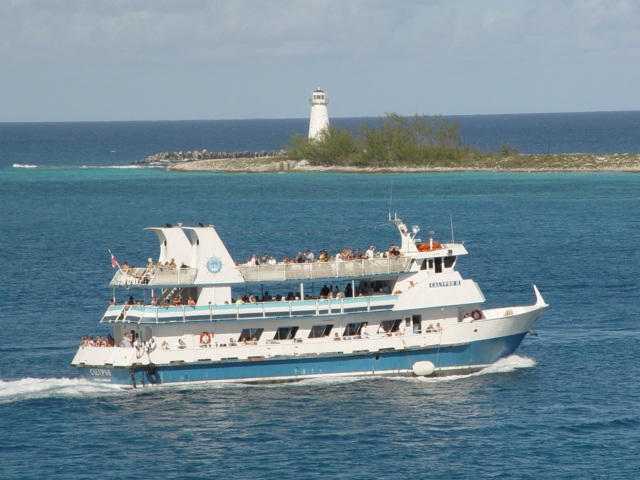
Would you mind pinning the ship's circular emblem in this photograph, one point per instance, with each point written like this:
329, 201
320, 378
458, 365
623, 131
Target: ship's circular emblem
214, 264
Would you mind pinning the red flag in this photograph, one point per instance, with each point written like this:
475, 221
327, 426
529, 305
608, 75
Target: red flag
114, 262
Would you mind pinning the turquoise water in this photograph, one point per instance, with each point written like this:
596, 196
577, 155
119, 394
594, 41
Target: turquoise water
566, 406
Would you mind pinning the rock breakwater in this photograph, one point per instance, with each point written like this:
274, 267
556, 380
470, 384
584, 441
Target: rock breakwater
192, 156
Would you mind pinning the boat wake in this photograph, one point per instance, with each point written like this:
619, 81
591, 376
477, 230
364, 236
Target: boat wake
42, 388
19, 165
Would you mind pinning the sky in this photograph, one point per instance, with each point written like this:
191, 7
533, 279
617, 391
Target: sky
111, 60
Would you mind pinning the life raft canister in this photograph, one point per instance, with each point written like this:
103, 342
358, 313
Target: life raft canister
476, 314
426, 247
205, 338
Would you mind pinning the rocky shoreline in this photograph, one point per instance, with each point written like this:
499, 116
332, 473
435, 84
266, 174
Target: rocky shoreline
277, 162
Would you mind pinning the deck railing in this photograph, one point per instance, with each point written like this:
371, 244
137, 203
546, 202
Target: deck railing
154, 276
321, 270
148, 314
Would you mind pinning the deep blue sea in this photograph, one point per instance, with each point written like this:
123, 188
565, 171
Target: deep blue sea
566, 406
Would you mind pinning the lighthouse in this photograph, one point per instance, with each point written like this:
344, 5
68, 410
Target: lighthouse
319, 113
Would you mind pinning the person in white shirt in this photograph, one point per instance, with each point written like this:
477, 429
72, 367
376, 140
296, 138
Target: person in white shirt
363, 330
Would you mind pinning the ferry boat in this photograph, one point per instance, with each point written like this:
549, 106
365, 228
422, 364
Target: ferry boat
407, 312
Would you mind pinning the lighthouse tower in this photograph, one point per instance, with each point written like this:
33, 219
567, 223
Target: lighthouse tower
319, 114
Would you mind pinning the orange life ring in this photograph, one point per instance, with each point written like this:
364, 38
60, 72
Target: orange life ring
205, 338
476, 314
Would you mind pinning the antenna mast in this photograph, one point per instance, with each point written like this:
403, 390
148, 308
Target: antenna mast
451, 223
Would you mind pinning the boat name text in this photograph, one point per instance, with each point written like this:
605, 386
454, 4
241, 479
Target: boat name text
451, 283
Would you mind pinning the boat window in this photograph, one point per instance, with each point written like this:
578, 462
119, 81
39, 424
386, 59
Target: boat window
391, 326
286, 333
417, 323
352, 329
449, 261
319, 331
438, 264
424, 265
249, 334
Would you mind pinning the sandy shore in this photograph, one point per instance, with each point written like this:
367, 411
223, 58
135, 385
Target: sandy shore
577, 162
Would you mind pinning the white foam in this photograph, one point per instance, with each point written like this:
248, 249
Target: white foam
36, 388
19, 165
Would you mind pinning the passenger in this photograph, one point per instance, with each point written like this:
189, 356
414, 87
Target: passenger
272, 260
192, 302
110, 341
438, 328
467, 318
357, 255
381, 330
125, 267
340, 293
165, 345
159, 266
255, 261
371, 251
430, 328
239, 300
309, 255
177, 301
112, 302
323, 256
416, 327
150, 263
363, 330
324, 291
173, 265
84, 341
348, 291
336, 337
126, 341
181, 343
265, 259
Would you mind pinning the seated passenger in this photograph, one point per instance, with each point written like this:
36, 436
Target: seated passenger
363, 330
467, 318
181, 343
192, 302
416, 328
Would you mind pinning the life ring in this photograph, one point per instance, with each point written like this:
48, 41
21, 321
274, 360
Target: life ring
205, 338
476, 314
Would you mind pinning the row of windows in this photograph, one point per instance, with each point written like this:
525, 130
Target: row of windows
320, 331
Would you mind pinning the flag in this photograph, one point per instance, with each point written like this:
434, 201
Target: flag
114, 262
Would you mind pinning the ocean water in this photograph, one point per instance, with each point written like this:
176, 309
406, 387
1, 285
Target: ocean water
565, 406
